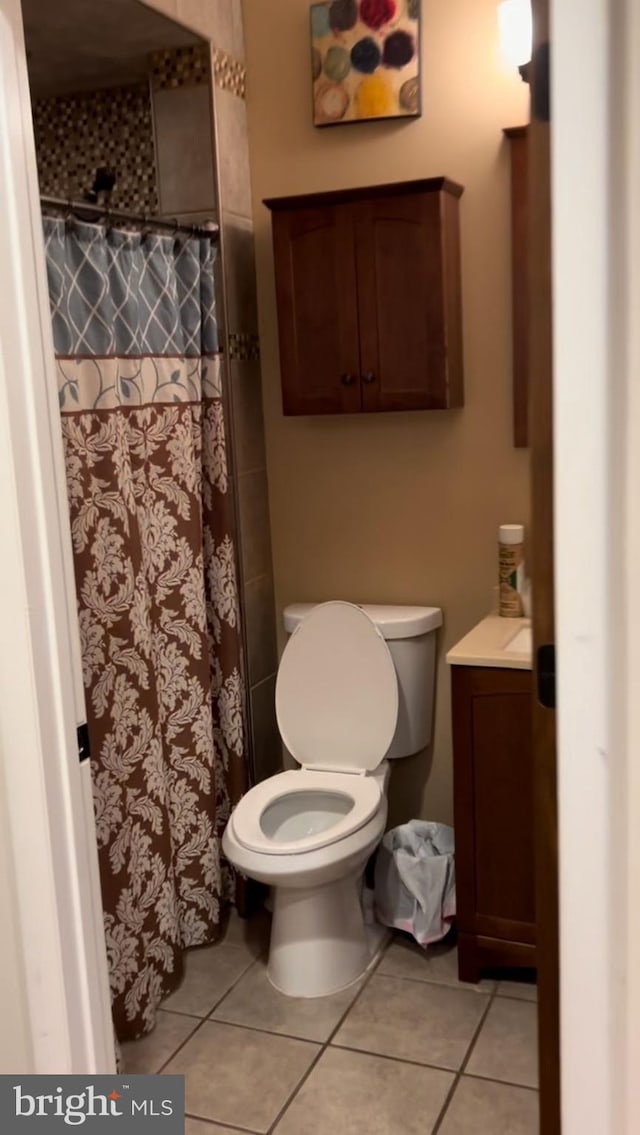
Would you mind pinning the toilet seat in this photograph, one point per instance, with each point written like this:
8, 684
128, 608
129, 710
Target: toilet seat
337, 691
362, 793
337, 709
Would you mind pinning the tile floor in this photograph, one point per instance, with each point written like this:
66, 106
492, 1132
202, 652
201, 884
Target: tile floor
409, 1051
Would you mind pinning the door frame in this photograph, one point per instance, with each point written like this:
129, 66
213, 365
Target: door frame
596, 360
52, 847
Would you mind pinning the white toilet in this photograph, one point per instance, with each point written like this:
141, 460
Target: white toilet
355, 689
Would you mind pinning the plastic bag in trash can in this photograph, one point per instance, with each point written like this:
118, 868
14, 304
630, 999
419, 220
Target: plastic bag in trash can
415, 880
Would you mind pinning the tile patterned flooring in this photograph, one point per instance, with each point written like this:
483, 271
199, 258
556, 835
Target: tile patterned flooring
410, 1050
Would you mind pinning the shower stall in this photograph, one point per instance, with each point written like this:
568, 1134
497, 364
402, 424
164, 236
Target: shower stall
147, 227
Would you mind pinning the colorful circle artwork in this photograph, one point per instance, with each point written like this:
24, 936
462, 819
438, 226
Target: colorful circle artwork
376, 13
337, 63
331, 101
374, 97
320, 25
410, 95
316, 62
365, 60
343, 15
366, 55
399, 49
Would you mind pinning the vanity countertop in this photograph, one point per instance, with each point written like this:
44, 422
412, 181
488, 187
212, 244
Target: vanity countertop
495, 641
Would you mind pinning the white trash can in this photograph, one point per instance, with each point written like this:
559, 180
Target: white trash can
415, 880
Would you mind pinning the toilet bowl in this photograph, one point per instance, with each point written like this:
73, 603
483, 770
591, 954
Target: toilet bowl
308, 833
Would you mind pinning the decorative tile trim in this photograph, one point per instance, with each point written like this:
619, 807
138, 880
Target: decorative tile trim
189, 67
75, 134
229, 73
243, 346
180, 67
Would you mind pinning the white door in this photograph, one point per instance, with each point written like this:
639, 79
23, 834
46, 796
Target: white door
55, 1002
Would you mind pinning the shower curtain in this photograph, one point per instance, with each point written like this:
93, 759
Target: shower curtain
139, 387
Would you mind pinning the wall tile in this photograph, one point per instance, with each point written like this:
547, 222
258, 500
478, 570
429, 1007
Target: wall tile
254, 524
267, 747
248, 422
184, 149
259, 621
75, 134
181, 67
233, 154
244, 346
240, 273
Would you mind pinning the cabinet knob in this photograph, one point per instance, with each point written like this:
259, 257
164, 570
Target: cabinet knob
368, 376
347, 379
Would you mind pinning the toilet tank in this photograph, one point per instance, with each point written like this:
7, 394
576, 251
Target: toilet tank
410, 633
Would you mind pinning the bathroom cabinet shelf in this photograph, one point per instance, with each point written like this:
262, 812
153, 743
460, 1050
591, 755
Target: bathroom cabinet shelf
369, 298
494, 818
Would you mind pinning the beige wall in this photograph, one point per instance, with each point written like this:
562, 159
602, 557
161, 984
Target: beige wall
396, 507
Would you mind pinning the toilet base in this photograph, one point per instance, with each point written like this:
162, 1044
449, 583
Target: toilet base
319, 941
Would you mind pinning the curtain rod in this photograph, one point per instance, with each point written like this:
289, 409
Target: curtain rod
103, 211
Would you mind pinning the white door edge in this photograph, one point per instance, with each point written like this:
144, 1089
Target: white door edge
52, 840
596, 279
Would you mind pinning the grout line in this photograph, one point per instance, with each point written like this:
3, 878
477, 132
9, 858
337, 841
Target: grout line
505, 1083
394, 1059
365, 981
203, 1019
465, 986
177, 1050
231, 988
181, 1013
264, 1032
512, 997
460, 1072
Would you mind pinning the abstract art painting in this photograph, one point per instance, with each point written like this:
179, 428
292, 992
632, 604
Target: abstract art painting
365, 59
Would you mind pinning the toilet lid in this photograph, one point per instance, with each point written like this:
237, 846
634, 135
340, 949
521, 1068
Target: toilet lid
337, 692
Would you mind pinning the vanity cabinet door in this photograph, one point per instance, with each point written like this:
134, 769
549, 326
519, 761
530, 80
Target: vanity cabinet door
317, 310
494, 818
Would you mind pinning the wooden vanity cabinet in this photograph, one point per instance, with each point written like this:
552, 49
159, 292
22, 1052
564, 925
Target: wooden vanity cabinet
368, 296
494, 818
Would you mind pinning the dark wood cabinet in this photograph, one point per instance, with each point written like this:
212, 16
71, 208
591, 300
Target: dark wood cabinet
369, 301
518, 146
494, 818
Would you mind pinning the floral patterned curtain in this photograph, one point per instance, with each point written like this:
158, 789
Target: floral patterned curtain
151, 517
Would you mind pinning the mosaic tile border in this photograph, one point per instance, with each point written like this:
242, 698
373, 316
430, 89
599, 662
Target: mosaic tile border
244, 346
180, 67
229, 73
